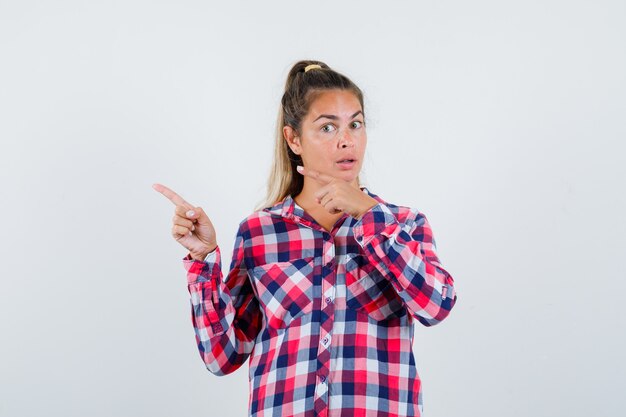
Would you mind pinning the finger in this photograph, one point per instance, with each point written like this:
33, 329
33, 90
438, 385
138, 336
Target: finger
327, 198
180, 231
171, 195
331, 206
319, 194
330, 203
316, 175
182, 221
183, 212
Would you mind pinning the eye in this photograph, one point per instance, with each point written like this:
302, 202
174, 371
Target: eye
356, 124
327, 130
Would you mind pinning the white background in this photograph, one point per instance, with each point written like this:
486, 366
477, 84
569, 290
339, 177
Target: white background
502, 121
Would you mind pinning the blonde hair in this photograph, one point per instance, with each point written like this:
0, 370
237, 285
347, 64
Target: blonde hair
302, 87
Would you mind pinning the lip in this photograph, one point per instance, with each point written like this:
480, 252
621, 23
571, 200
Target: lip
346, 157
347, 165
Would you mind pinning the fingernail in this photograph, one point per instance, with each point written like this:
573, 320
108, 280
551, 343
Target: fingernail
190, 213
299, 168
193, 228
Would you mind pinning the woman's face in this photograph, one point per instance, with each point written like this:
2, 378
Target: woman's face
332, 131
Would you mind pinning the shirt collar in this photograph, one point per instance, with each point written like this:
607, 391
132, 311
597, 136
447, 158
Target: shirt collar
289, 209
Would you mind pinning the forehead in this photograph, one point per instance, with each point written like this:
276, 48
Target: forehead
341, 103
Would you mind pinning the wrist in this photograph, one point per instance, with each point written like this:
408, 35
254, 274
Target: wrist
200, 256
366, 207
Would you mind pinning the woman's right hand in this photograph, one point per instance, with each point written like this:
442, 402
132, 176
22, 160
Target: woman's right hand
194, 231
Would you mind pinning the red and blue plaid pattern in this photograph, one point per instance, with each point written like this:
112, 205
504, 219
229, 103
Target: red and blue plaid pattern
325, 318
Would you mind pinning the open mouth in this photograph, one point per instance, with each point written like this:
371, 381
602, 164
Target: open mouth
346, 163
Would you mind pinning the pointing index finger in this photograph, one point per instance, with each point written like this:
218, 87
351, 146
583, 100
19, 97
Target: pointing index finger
171, 195
316, 175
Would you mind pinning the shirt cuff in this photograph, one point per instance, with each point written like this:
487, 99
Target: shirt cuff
200, 271
211, 256
376, 221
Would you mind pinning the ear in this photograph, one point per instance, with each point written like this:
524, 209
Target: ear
292, 138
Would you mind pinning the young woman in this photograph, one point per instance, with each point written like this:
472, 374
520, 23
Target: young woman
326, 277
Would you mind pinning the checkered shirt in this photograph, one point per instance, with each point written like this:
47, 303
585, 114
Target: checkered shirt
325, 318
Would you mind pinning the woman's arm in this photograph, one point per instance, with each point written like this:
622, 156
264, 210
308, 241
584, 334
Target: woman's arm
406, 255
225, 315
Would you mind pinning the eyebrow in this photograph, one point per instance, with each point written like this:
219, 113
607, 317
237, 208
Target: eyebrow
333, 117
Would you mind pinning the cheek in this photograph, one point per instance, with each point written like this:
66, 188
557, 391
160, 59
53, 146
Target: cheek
316, 153
362, 146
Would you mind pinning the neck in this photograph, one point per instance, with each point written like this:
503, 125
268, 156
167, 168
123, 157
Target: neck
306, 198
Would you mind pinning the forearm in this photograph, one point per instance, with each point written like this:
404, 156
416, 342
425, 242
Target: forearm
222, 346
219, 311
405, 254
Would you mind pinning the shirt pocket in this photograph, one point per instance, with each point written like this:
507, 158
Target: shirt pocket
285, 290
369, 292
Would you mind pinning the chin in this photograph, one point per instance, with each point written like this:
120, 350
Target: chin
349, 177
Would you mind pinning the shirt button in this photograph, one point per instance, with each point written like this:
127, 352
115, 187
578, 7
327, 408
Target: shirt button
328, 300
359, 238
325, 340
323, 378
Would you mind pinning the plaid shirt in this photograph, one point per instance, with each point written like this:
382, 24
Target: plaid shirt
326, 318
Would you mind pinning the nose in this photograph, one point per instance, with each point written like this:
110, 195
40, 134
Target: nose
345, 139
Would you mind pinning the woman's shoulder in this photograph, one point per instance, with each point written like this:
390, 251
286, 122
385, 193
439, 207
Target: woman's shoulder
253, 223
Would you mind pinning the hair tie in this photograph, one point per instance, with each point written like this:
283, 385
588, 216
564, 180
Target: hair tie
311, 66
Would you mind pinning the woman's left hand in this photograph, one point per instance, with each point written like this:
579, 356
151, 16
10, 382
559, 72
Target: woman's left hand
337, 195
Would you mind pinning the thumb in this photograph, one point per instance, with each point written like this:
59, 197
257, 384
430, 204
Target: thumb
197, 214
